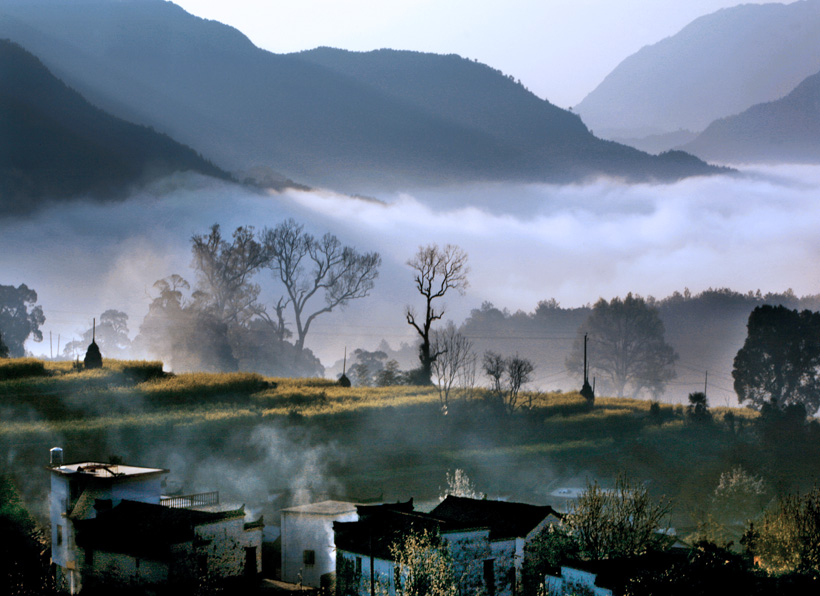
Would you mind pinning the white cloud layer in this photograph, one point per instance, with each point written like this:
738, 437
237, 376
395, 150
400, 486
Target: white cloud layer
526, 243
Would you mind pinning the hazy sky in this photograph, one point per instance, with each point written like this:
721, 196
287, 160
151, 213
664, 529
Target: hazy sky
560, 49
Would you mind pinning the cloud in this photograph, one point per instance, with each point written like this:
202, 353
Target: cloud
526, 243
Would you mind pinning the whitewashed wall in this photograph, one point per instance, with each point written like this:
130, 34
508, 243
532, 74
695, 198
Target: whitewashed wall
303, 531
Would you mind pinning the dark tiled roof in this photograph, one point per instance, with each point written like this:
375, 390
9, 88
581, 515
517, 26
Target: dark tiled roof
382, 528
615, 573
144, 529
504, 519
372, 510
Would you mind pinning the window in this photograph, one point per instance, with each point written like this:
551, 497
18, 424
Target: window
489, 576
59, 535
358, 565
309, 557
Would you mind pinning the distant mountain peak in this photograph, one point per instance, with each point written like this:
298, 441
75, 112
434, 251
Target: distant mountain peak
718, 65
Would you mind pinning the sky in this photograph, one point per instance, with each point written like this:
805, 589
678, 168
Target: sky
559, 49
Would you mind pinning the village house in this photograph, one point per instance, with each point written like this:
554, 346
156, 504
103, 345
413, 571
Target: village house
486, 540
308, 548
574, 581
111, 527
613, 576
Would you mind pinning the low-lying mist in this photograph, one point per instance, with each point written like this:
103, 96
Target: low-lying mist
525, 243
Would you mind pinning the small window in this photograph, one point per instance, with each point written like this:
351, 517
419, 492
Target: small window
309, 557
358, 565
59, 535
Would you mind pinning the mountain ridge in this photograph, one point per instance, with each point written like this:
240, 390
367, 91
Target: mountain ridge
784, 130
718, 65
58, 146
244, 107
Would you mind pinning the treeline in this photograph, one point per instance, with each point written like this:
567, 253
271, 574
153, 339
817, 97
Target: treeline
706, 330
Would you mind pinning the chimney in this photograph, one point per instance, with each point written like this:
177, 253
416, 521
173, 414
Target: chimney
56, 457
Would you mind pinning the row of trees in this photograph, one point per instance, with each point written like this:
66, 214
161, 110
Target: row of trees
222, 323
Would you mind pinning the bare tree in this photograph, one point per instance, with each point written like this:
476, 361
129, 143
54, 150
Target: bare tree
519, 373
459, 484
494, 367
224, 270
454, 354
507, 377
308, 266
467, 375
435, 272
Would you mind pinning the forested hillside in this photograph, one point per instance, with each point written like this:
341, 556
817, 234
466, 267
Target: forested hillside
56, 145
319, 118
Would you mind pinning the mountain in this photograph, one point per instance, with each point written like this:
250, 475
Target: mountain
356, 121
786, 130
717, 66
56, 145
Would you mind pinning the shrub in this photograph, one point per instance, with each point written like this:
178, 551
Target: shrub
21, 368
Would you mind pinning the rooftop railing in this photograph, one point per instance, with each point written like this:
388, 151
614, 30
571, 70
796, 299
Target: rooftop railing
188, 501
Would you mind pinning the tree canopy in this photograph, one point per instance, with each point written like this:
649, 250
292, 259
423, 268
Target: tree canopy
182, 335
20, 318
111, 336
622, 522
780, 359
788, 537
223, 323
424, 566
627, 351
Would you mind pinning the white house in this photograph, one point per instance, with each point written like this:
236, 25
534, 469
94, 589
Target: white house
111, 526
574, 581
486, 540
308, 547
510, 527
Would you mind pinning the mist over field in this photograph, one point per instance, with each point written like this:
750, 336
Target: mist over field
526, 243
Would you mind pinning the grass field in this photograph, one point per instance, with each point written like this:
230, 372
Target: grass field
251, 435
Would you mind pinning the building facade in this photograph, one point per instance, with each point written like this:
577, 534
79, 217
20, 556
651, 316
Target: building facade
486, 541
308, 546
111, 527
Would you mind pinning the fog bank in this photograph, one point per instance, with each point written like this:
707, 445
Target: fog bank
526, 243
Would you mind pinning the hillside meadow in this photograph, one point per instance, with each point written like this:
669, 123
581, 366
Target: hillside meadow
252, 436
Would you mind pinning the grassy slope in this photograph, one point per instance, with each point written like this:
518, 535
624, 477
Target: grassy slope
391, 440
